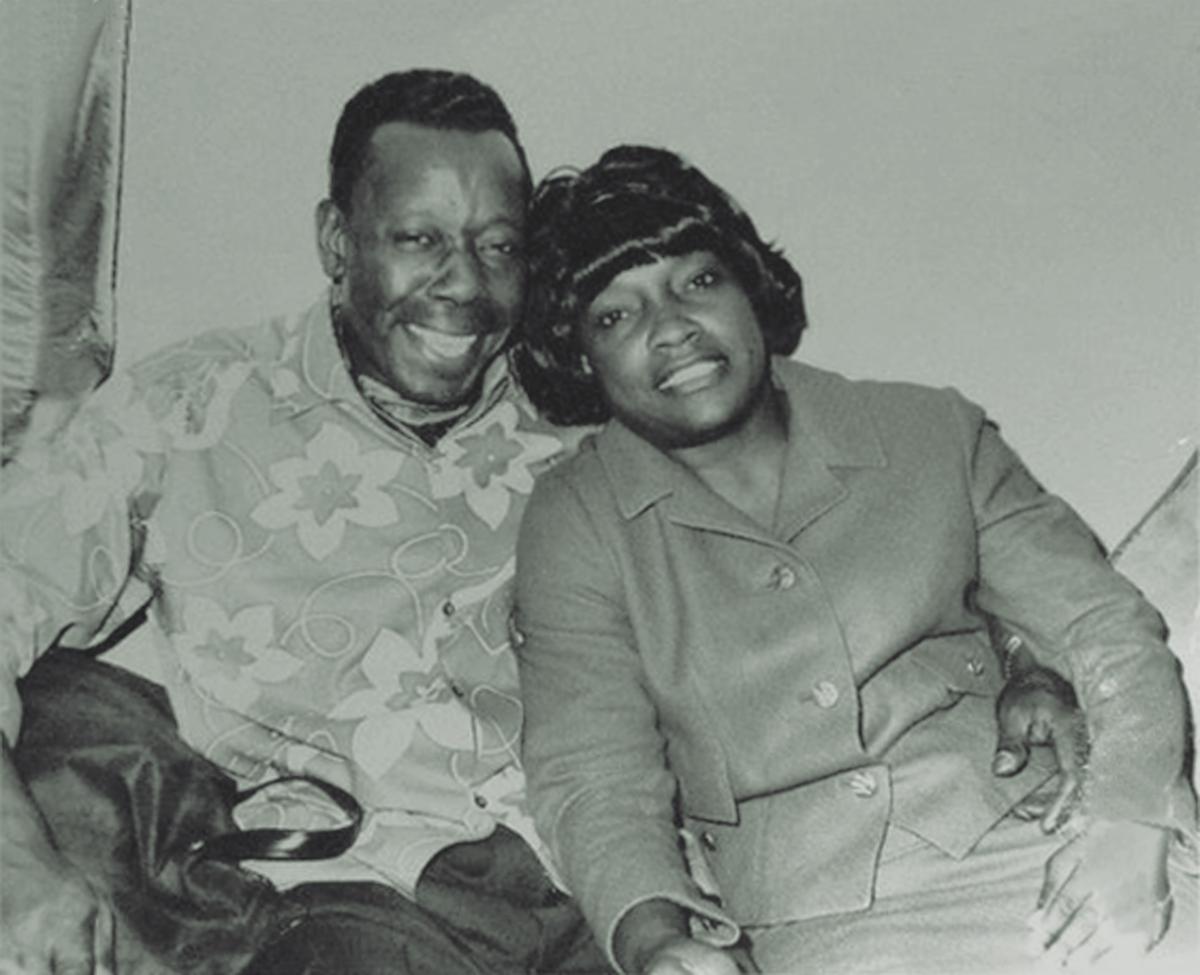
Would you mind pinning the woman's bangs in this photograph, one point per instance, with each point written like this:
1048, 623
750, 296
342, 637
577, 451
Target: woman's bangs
642, 240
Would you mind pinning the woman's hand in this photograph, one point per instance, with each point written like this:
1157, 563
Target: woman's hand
1106, 891
654, 939
682, 955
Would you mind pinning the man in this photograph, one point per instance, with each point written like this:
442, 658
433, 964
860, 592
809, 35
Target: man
322, 511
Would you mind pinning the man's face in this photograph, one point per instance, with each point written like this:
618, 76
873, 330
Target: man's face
432, 253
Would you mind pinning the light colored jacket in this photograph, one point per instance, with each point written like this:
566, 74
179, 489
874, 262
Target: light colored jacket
786, 694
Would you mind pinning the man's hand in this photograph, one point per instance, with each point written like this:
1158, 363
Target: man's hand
51, 920
1038, 707
1105, 893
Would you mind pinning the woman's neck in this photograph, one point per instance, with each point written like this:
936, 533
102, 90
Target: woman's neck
745, 466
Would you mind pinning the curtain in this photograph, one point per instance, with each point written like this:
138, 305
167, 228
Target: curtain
62, 106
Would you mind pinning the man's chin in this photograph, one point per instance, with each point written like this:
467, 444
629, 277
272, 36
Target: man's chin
439, 391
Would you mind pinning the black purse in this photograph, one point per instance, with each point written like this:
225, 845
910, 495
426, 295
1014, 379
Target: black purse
150, 821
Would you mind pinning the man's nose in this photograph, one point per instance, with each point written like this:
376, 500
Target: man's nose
459, 278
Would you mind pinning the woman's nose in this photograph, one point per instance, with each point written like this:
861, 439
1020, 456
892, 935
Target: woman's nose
670, 323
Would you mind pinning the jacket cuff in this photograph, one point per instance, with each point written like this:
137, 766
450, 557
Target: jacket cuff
708, 922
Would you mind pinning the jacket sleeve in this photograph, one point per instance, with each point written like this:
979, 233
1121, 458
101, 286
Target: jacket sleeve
601, 793
70, 537
1043, 573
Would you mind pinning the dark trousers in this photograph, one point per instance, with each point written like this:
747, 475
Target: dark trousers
484, 908
124, 798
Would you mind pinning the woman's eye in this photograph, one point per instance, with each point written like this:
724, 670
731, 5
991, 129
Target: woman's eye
607, 319
705, 279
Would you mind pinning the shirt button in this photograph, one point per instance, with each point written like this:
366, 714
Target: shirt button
480, 801
448, 608
862, 784
825, 693
708, 840
782, 577
1107, 688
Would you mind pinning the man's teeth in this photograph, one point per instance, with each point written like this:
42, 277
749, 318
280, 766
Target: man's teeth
447, 346
697, 370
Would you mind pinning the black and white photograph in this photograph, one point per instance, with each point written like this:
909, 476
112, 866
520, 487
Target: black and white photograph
599, 487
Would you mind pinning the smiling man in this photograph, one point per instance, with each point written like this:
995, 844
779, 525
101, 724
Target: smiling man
425, 252
322, 513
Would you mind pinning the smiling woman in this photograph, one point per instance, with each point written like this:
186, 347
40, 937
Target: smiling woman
755, 609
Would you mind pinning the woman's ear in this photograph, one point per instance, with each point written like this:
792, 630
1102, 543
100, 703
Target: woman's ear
332, 234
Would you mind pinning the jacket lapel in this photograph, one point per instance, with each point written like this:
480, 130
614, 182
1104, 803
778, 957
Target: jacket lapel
829, 429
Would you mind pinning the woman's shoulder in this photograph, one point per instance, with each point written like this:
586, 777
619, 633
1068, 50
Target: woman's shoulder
889, 402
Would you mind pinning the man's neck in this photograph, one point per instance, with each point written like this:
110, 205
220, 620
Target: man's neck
427, 422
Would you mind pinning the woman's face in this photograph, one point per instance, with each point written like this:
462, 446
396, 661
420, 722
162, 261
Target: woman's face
678, 350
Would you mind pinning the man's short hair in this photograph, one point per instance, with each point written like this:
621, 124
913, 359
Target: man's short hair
431, 97
633, 207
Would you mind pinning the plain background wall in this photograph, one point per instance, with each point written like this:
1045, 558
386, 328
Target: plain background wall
997, 196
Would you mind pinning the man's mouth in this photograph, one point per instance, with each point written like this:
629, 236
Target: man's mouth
441, 344
691, 376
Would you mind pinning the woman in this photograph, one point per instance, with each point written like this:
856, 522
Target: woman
755, 607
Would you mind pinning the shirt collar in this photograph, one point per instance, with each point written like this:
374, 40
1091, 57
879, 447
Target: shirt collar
828, 424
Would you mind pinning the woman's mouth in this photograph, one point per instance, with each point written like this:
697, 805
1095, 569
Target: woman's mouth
691, 376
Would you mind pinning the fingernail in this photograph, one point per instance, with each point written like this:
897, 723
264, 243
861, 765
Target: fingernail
1004, 762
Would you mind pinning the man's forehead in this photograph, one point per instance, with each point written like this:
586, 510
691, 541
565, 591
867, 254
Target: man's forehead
410, 152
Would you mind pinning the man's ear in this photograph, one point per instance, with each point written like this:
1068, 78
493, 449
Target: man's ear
332, 240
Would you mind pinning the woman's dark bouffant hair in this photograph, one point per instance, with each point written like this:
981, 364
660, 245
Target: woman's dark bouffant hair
634, 206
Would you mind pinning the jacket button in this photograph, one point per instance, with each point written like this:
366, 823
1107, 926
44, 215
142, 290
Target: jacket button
825, 693
862, 784
708, 840
782, 577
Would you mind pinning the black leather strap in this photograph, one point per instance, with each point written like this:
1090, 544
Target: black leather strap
264, 843
285, 844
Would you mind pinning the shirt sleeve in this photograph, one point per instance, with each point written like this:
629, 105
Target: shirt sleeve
70, 538
1043, 574
600, 789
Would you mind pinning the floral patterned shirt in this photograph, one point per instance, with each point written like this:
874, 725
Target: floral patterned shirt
331, 595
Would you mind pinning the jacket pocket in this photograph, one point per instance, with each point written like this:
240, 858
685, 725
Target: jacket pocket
965, 662
801, 853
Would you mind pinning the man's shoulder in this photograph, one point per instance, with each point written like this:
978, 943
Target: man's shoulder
189, 389
569, 437
266, 341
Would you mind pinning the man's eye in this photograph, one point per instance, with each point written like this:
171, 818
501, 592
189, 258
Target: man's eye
414, 240
705, 279
501, 248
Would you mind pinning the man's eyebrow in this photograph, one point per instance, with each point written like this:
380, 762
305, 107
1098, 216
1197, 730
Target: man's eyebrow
502, 219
